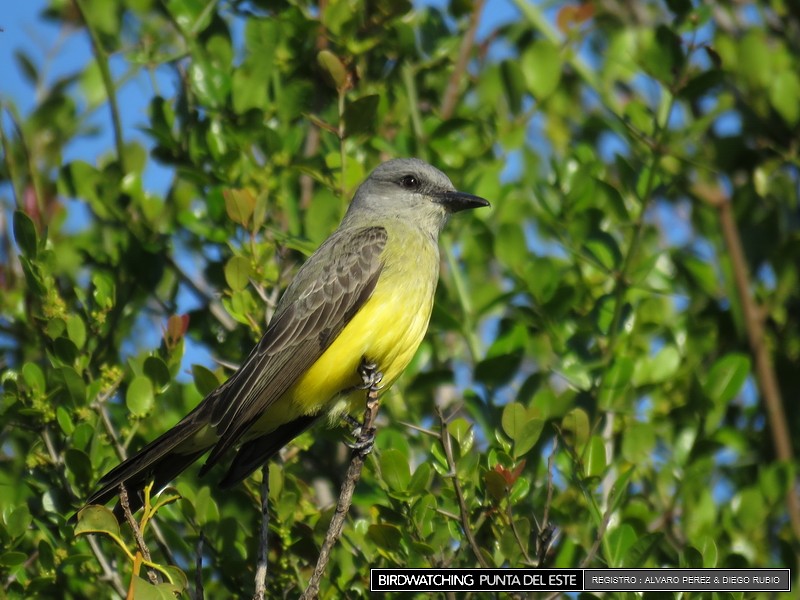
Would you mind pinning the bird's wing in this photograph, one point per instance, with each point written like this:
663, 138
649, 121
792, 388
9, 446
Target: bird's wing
326, 293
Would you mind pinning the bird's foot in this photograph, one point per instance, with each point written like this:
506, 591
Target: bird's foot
370, 376
364, 433
365, 441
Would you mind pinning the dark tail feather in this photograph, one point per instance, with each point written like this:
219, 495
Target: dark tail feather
256, 452
159, 461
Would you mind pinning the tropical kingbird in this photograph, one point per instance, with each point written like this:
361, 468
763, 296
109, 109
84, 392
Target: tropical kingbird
365, 296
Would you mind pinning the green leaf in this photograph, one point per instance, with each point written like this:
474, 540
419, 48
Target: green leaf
74, 384
514, 418
425, 515
103, 289
64, 420
239, 204
528, 436
333, 68
784, 95
18, 521
79, 464
511, 247
12, 559
616, 382
33, 376
726, 377
395, 470
211, 83
463, 431
514, 84
139, 398
204, 380
496, 485
575, 426
385, 536
27, 67
25, 234
421, 479
97, 519
638, 442
237, 273
157, 371
76, 330
360, 116
541, 65
617, 542
65, 350
595, 457
641, 549
144, 590
603, 248
658, 368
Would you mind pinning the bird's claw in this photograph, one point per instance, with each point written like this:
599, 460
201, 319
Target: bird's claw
365, 441
370, 376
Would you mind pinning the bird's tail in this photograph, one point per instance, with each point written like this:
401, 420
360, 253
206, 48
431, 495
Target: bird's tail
159, 461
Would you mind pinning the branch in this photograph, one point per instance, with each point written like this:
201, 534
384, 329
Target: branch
361, 449
108, 83
137, 532
545, 535
451, 93
198, 573
754, 325
462, 505
263, 541
110, 574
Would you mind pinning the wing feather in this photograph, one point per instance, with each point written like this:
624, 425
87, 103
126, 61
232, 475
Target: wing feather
327, 291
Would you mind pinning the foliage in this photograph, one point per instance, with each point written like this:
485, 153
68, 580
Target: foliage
598, 388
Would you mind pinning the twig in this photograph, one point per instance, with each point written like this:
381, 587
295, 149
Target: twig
111, 575
201, 290
108, 83
137, 532
360, 451
8, 159
601, 531
462, 505
451, 93
545, 535
765, 373
100, 405
198, 572
263, 542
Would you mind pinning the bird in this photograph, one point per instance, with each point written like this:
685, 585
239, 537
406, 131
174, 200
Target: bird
358, 307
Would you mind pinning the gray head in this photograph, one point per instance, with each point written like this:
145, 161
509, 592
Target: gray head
411, 190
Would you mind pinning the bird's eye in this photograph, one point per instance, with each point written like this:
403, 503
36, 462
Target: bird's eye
409, 182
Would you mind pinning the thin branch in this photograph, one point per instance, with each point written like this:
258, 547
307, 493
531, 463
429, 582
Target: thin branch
462, 505
108, 83
137, 532
545, 535
601, 531
199, 594
451, 93
263, 541
11, 165
214, 305
360, 451
109, 573
754, 325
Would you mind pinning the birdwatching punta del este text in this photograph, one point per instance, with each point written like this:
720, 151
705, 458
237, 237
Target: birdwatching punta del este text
606, 580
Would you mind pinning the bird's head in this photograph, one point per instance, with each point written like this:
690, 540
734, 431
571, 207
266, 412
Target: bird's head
412, 190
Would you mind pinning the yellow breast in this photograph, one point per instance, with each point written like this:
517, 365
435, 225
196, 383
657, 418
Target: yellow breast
387, 330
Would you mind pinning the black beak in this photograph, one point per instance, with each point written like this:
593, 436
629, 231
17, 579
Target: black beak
458, 201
